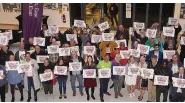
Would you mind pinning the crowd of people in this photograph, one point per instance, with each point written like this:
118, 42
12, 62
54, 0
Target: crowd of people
154, 60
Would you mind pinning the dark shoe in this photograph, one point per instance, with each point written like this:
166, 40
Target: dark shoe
112, 86
60, 97
74, 94
13, 99
35, 99
101, 98
148, 101
65, 96
81, 93
141, 98
22, 98
123, 86
116, 95
119, 94
28, 100
92, 96
88, 98
107, 93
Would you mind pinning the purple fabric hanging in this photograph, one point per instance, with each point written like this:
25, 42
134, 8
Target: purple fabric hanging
32, 18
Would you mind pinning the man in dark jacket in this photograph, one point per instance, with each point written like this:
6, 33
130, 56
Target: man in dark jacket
122, 33
113, 9
4, 55
164, 71
178, 94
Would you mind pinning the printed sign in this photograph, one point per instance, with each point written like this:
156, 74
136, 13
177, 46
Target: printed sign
143, 49
147, 73
173, 21
79, 23
108, 36
3, 40
53, 49
138, 25
46, 76
24, 68
151, 33
60, 70
75, 49
53, 29
183, 27
125, 54
41, 58
89, 73
134, 52
169, 31
179, 83
104, 73
1, 74
47, 33
133, 71
118, 70
21, 55
71, 37
161, 80
89, 50
182, 40
75, 66
131, 31
8, 34
39, 41
64, 51
103, 26
96, 38
167, 54
12, 65
121, 41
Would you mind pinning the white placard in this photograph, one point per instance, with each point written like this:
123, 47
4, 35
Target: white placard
79, 23
89, 73
182, 40
75, 66
71, 37
118, 70
1, 74
104, 73
134, 71
39, 41
64, 51
75, 49
134, 52
41, 58
143, 49
8, 34
128, 6
121, 41
46, 76
47, 33
12, 65
167, 54
147, 73
26, 67
96, 38
125, 54
22, 55
139, 25
108, 36
53, 49
103, 26
183, 27
3, 40
128, 14
89, 50
131, 31
173, 21
58, 43
169, 31
161, 80
179, 83
151, 33
53, 29
60, 70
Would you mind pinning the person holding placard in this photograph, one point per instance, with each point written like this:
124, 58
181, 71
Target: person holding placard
62, 79
14, 78
139, 36
53, 57
153, 64
159, 40
4, 55
151, 43
130, 80
89, 82
163, 71
30, 46
104, 81
31, 79
2, 83
76, 74
20, 54
142, 83
117, 79
182, 53
122, 33
48, 86
178, 94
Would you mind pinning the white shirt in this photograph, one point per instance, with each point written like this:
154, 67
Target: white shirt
156, 53
175, 68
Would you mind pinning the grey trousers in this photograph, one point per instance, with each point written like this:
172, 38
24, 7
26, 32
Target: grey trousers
118, 84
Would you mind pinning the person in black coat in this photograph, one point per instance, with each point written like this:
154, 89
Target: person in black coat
178, 94
164, 71
4, 55
113, 9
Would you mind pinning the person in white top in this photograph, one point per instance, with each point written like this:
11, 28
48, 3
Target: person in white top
131, 79
31, 79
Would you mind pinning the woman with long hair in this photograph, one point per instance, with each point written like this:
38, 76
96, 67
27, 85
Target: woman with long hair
89, 82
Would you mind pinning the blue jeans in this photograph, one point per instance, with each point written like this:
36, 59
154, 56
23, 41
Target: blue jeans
62, 83
31, 84
103, 85
73, 80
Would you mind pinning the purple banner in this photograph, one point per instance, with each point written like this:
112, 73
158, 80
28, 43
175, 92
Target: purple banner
32, 18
